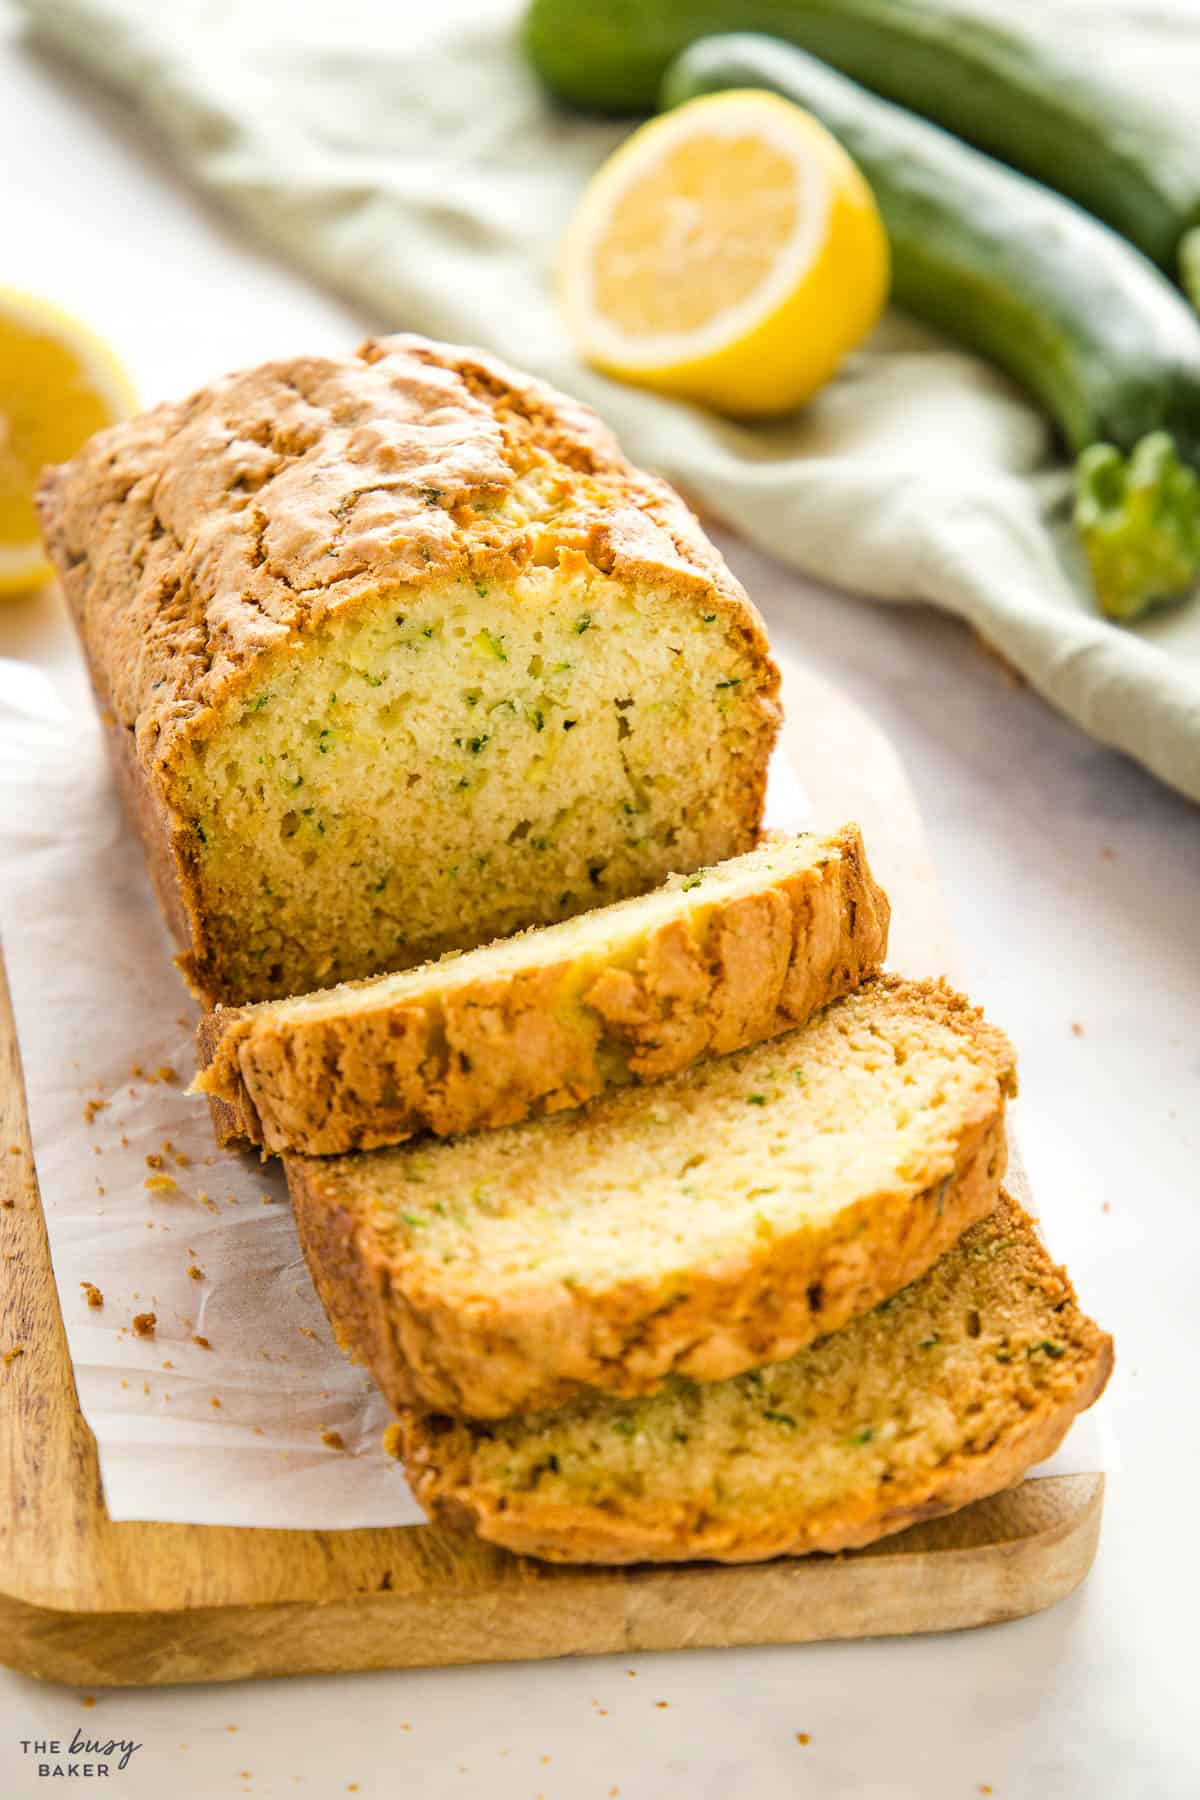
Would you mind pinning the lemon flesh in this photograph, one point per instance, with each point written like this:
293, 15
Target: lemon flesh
730, 252
58, 385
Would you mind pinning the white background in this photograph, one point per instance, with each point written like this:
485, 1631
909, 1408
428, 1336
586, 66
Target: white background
1074, 883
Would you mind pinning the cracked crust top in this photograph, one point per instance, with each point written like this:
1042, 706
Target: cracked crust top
208, 531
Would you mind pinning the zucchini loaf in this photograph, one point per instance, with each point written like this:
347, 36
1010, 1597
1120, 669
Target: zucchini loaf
543, 1021
716, 1221
398, 654
944, 1394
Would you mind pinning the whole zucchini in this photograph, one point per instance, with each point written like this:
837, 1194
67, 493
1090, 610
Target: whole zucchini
1012, 93
1073, 313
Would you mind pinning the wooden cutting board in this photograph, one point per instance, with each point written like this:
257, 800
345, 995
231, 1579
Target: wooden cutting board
92, 1602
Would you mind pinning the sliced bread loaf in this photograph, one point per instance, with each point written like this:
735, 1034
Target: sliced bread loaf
719, 1220
635, 991
398, 654
944, 1394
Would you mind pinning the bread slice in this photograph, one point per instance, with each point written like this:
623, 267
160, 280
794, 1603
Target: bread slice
398, 654
533, 1024
944, 1394
719, 1220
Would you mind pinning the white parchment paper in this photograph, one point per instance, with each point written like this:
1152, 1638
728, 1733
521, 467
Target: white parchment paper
264, 1422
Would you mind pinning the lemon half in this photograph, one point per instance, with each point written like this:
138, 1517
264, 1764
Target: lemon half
729, 252
58, 384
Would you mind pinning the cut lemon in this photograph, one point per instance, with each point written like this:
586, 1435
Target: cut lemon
729, 252
58, 384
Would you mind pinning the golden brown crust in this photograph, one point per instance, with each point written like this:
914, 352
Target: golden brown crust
425, 1352
201, 542
583, 1534
493, 1355
144, 806
623, 1527
209, 532
509, 1046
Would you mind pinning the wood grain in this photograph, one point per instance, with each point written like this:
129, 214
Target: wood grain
90, 1601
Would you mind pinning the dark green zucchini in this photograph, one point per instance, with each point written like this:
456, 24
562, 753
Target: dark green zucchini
1071, 311
1051, 112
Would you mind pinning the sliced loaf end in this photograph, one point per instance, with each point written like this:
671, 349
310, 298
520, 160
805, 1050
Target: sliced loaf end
946, 1393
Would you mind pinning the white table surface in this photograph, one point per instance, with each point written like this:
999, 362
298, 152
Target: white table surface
1074, 884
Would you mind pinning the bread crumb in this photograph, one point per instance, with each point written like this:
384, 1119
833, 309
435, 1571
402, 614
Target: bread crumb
202, 1341
334, 1439
144, 1323
231, 1728
91, 1109
1076, 1028
124, 1383
14, 1149
166, 1073
168, 1364
307, 1331
182, 1159
662, 1704
88, 1700
12, 1354
92, 1294
161, 1184
196, 1272
214, 1401
802, 1737
154, 1160
1107, 1207
985, 1787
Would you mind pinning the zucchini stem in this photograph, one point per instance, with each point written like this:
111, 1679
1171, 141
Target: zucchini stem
1189, 265
1139, 520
